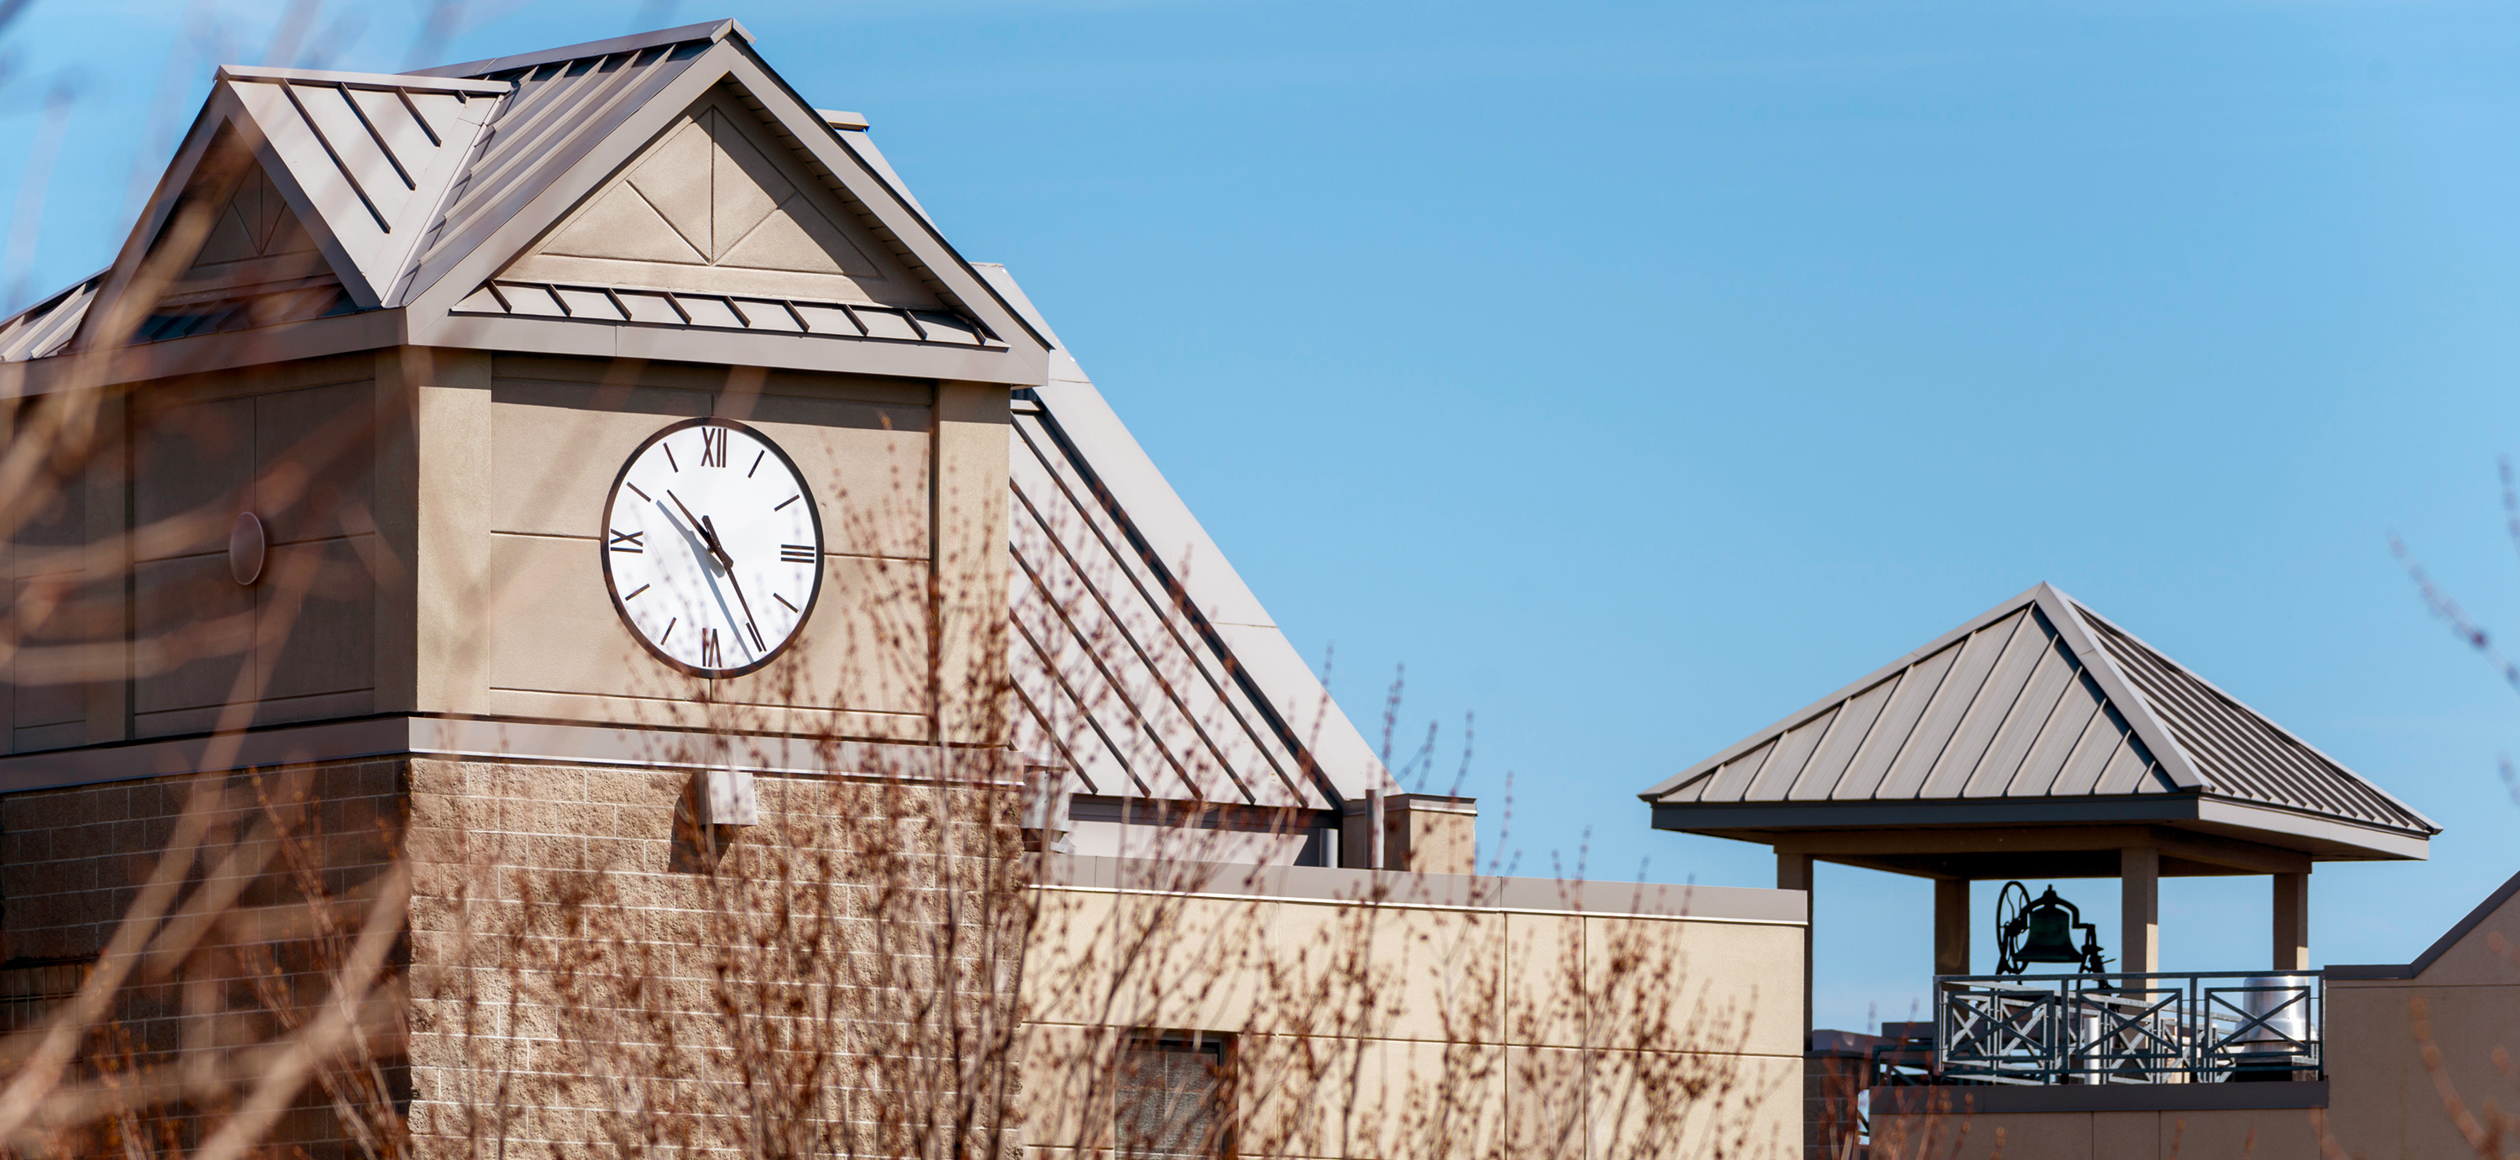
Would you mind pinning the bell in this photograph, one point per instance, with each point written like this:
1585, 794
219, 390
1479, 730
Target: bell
2050, 938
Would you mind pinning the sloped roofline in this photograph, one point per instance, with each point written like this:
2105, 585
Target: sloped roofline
495, 242
2243, 706
2068, 616
405, 291
1301, 711
2059, 609
226, 109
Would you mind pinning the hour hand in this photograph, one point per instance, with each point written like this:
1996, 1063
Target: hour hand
717, 547
708, 535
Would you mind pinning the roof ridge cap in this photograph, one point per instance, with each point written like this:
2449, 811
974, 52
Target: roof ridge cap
2067, 614
2259, 717
710, 30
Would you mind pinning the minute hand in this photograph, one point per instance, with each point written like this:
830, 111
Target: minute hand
719, 547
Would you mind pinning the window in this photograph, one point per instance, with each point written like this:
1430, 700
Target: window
1171, 1097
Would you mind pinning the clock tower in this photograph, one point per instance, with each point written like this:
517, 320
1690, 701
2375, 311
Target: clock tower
553, 453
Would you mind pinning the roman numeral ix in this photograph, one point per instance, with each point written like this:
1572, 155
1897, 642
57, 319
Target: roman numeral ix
627, 541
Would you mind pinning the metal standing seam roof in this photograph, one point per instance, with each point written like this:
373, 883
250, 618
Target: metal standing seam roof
400, 178
2039, 698
1140, 658
563, 102
43, 329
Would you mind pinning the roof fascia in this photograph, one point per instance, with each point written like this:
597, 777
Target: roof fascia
144, 362
1843, 694
380, 81
2066, 615
2379, 842
2264, 824
2269, 722
782, 351
711, 30
1798, 817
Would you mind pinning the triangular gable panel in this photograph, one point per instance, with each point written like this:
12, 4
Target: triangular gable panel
254, 244
718, 205
313, 178
583, 119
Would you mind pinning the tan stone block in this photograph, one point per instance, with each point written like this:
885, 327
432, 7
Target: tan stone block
315, 455
201, 622
198, 456
326, 642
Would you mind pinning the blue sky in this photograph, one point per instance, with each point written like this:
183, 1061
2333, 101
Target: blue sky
1637, 373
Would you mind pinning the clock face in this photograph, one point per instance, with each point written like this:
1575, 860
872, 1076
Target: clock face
712, 547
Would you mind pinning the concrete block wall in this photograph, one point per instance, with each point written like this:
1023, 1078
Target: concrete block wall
72, 861
566, 931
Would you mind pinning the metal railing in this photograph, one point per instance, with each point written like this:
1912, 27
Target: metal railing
2131, 1028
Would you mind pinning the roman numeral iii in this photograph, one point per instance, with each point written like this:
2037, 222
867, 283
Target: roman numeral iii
796, 553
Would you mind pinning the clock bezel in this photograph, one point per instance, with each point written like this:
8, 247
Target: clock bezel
813, 509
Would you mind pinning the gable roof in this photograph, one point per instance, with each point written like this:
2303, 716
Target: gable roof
423, 191
2038, 703
360, 160
1141, 659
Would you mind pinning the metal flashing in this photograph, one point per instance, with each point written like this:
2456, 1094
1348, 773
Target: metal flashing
707, 30
381, 82
735, 312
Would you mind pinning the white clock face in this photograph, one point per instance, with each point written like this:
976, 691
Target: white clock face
712, 547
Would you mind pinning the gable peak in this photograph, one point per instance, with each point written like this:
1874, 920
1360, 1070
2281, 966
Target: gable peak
718, 203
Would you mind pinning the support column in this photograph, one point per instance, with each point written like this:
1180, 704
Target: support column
2139, 876
1793, 872
1951, 926
2292, 922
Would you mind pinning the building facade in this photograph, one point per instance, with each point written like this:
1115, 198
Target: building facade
562, 613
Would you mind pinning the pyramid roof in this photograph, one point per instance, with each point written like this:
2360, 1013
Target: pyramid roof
2038, 713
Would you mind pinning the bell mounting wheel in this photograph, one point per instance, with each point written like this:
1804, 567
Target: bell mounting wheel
2011, 922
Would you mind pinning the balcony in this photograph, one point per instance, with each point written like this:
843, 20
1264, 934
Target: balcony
2159, 1028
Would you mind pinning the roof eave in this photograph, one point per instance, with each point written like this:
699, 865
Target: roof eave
1018, 366
2322, 838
